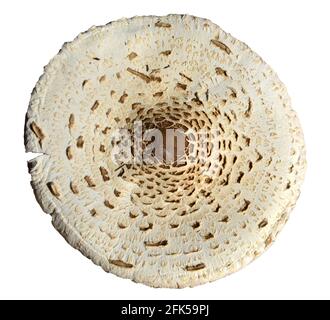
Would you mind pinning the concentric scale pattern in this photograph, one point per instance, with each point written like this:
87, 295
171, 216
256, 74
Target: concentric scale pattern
164, 224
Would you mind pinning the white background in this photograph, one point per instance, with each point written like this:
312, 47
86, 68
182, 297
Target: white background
292, 36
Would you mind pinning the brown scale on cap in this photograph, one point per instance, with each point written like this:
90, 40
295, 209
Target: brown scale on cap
121, 264
37, 131
53, 188
161, 24
196, 267
221, 45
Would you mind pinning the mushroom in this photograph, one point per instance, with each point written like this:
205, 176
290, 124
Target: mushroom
166, 211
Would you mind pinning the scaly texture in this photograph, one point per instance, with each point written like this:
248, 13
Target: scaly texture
164, 225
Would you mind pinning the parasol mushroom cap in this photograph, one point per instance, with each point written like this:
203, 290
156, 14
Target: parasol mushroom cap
164, 224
